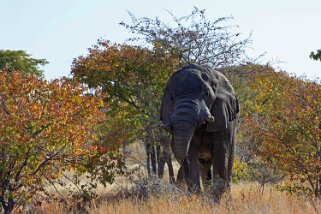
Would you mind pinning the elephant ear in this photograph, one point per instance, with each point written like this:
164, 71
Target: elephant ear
224, 109
167, 105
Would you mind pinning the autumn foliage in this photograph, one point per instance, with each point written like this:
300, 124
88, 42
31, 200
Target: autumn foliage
285, 121
46, 128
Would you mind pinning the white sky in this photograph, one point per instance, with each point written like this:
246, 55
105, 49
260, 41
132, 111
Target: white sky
60, 30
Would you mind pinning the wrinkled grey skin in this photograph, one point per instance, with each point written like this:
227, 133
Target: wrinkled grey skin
193, 96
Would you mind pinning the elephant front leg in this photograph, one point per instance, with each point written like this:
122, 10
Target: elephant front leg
191, 170
180, 180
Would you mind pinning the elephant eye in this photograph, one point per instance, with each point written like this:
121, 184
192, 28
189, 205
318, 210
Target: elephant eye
204, 77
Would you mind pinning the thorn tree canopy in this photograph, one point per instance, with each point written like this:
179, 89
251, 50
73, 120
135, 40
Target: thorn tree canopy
192, 38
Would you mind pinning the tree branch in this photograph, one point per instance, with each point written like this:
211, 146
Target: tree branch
4, 107
47, 159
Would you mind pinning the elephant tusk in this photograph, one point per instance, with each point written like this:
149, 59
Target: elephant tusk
210, 119
164, 127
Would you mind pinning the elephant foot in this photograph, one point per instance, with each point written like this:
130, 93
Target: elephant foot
194, 189
180, 180
219, 187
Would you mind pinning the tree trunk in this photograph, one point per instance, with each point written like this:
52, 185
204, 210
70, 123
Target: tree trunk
165, 157
151, 153
170, 169
153, 159
161, 160
319, 188
148, 157
158, 153
7, 206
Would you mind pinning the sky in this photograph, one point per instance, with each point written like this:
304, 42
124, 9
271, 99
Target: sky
61, 30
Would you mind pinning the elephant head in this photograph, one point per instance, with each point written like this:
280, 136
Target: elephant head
196, 96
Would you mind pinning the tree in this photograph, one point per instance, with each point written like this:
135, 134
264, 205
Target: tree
286, 121
316, 56
135, 74
19, 60
134, 78
192, 39
46, 128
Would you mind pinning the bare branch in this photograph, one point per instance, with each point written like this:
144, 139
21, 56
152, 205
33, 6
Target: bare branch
193, 38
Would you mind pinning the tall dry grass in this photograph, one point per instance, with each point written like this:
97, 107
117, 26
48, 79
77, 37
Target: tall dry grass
244, 198
155, 196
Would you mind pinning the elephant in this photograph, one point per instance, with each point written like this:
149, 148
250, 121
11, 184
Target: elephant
200, 109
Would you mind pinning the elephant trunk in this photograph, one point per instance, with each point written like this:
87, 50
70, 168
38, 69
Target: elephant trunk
184, 121
187, 116
181, 141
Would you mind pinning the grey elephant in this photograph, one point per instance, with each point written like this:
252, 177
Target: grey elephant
200, 109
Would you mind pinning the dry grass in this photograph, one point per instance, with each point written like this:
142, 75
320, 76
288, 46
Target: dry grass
154, 196
245, 199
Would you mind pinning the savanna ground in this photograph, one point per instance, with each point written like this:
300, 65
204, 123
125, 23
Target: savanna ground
138, 194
